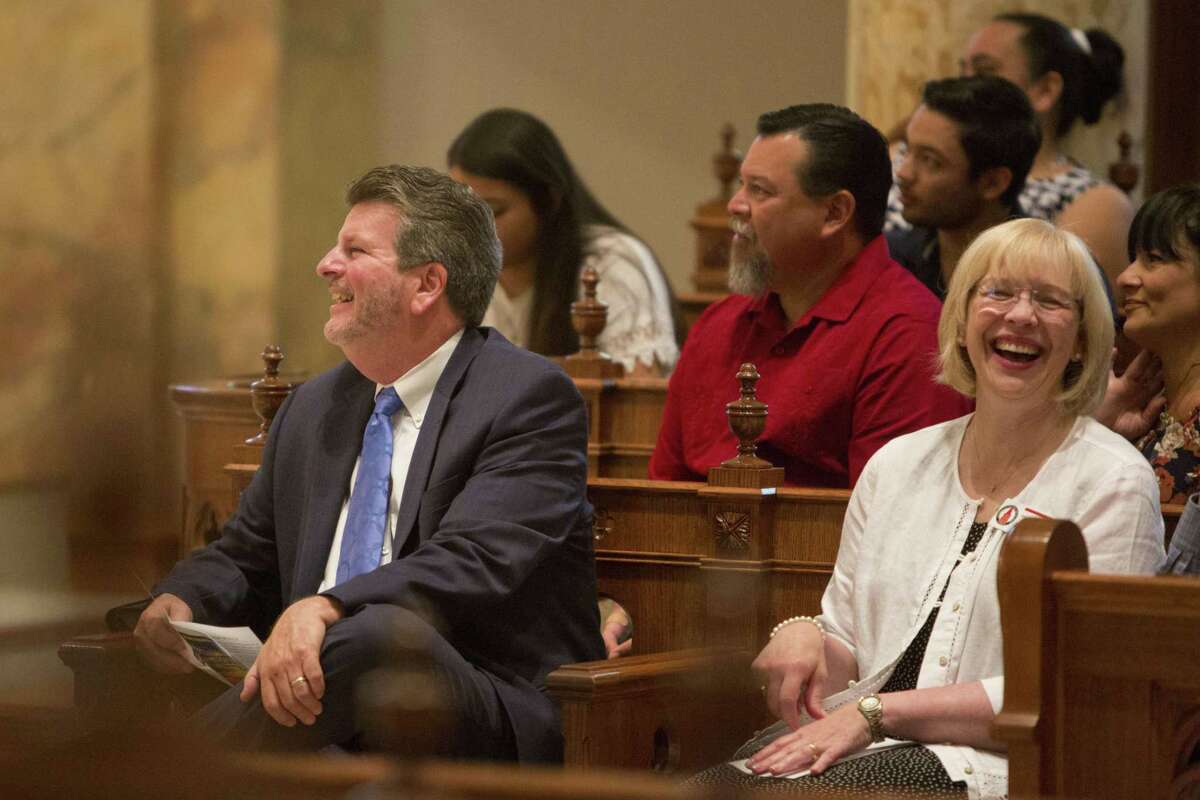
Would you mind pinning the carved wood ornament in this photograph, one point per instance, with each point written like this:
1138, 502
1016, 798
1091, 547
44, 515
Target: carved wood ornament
747, 419
732, 531
588, 318
268, 393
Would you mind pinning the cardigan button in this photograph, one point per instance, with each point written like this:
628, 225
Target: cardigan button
942, 661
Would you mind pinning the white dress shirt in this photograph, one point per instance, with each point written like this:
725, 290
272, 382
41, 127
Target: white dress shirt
415, 389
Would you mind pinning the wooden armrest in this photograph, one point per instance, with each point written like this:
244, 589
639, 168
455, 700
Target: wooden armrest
114, 689
673, 711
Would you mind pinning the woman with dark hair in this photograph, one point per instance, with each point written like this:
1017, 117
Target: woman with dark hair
1160, 293
1069, 75
551, 226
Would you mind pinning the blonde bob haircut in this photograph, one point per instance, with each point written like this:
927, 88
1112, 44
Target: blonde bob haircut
1019, 249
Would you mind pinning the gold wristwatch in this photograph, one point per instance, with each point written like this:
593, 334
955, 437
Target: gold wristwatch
872, 710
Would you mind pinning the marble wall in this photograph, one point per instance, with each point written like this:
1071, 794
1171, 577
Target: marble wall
79, 309
894, 46
165, 186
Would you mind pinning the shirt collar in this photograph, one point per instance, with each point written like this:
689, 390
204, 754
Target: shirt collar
416, 386
840, 299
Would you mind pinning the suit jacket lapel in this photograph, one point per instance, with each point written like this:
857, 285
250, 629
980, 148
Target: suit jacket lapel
422, 459
339, 440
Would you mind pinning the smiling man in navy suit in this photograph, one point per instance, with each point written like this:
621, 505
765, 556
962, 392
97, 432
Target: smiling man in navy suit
433, 484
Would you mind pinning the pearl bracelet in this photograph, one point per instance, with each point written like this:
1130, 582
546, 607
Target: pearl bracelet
790, 620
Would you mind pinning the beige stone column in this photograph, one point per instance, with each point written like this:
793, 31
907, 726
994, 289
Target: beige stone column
171, 171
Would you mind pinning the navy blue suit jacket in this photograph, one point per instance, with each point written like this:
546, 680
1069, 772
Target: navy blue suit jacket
493, 531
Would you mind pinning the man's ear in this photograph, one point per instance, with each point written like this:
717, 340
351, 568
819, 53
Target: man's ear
993, 182
1045, 92
431, 286
839, 212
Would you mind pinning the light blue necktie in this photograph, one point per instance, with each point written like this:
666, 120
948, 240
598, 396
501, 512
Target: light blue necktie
366, 521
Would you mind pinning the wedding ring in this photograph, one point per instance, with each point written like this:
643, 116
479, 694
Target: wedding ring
299, 681
812, 748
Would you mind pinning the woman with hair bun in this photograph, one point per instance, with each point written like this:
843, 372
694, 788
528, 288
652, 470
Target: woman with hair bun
550, 227
1069, 75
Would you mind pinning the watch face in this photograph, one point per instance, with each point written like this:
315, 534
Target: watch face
869, 703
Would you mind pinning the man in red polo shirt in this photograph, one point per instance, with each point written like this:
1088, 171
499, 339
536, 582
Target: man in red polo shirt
843, 336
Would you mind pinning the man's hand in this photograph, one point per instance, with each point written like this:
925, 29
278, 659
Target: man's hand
611, 632
157, 642
287, 671
1134, 400
793, 670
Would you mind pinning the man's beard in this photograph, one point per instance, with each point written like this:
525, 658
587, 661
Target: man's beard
749, 268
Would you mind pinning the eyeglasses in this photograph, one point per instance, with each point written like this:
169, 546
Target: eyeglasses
1004, 296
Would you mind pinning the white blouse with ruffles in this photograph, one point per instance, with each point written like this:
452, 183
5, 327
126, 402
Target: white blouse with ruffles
639, 326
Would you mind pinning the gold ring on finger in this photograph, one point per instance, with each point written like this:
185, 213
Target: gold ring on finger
816, 753
300, 680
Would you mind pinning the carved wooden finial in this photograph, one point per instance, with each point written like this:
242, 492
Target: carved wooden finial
747, 419
589, 315
1123, 172
268, 393
726, 162
588, 318
711, 221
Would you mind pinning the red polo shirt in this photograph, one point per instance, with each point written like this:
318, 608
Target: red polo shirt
854, 372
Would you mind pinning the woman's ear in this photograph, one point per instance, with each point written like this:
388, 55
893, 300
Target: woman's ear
1045, 92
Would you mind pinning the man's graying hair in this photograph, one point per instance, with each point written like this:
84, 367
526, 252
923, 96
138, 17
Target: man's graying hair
444, 221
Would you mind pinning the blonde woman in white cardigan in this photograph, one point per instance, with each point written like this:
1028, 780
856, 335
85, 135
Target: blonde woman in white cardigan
907, 649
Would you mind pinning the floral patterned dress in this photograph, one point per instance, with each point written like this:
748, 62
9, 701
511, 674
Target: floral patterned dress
1173, 450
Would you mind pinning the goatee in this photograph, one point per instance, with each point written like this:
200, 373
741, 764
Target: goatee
749, 269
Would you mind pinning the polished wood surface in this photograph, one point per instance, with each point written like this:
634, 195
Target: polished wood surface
224, 420
217, 416
711, 220
623, 419
674, 712
1102, 688
702, 565
705, 572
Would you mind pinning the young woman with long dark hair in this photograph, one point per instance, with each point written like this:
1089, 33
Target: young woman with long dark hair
550, 226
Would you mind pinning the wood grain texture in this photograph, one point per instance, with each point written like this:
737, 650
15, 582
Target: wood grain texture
1102, 688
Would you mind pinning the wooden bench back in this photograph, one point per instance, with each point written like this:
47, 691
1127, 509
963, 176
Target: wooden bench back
1102, 673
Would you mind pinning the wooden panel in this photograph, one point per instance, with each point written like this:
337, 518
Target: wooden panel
1102, 690
623, 420
217, 416
700, 564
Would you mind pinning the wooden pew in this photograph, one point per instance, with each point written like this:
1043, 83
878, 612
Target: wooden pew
713, 236
711, 565
623, 413
220, 417
1102, 688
